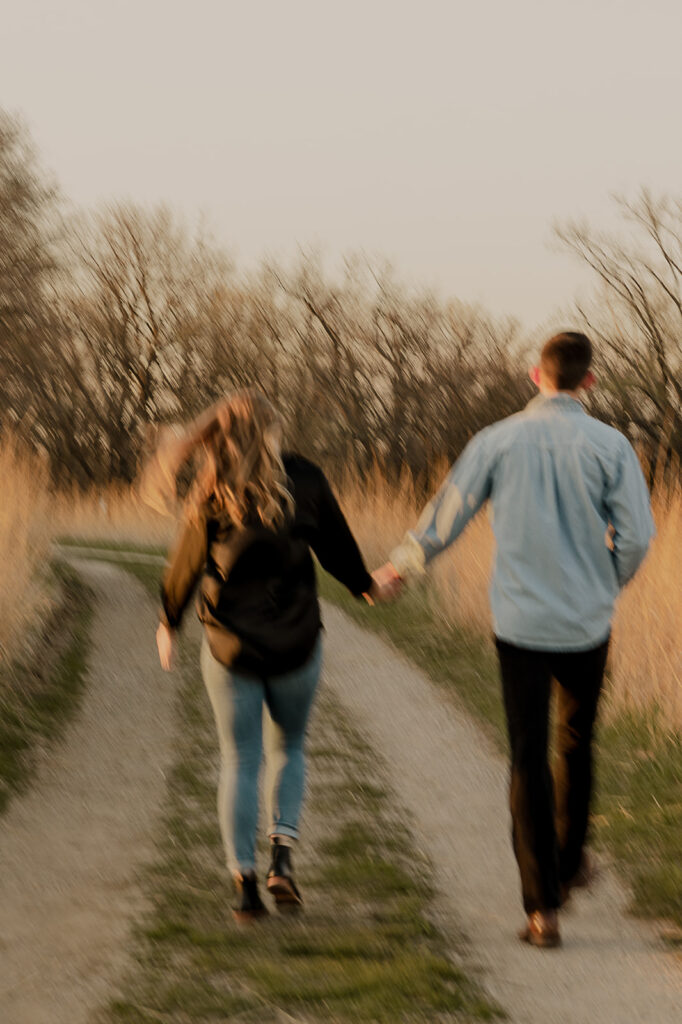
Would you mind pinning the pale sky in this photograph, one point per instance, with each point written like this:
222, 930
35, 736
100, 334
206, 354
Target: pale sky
446, 137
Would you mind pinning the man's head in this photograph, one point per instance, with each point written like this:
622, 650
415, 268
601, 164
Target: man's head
564, 363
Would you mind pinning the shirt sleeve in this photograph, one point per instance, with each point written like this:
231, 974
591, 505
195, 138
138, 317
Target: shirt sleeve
185, 566
335, 545
629, 509
465, 489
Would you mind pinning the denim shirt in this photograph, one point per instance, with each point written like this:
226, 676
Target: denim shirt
571, 516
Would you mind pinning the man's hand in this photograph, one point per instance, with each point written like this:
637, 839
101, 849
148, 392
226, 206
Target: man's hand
165, 641
386, 584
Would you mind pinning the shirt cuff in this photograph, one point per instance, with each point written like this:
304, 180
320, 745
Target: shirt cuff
408, 559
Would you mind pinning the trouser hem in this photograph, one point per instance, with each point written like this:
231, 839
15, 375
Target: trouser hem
283, 830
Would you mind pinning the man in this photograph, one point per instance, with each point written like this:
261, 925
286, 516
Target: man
572, 523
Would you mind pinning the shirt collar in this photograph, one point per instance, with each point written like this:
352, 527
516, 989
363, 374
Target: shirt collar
560, 401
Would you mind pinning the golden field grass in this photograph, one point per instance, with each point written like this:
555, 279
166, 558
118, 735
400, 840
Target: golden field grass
116, 515
25, 539
31, 517
646, 659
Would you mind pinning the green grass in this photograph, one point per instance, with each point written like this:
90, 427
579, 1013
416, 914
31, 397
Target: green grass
38, 695
72, 541
365, 948
638, 808
639, 811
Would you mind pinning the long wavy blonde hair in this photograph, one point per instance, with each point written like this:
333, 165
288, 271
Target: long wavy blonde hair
238, 474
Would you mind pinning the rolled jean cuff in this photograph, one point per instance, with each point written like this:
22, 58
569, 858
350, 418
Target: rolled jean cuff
284, 830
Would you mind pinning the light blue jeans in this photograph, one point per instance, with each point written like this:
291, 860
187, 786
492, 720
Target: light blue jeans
248, 711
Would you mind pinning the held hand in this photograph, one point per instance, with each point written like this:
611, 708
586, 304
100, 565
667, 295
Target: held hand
165, 642
386, 584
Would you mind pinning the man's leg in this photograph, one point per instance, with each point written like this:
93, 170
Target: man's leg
580, 676
526, 685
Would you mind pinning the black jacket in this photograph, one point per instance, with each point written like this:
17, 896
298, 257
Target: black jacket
258, 592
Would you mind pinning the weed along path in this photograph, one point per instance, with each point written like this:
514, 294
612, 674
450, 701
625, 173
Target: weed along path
611, 969
71, 847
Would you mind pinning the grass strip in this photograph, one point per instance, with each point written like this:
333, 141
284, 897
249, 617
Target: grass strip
39, 693
74, 541
638, 805
365, 948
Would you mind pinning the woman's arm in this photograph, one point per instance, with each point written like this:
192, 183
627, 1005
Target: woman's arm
177, 585
335, 545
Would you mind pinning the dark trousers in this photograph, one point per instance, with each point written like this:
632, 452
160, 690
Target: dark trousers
550, 813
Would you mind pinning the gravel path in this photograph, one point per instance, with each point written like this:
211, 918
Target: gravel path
454, 785
71, 847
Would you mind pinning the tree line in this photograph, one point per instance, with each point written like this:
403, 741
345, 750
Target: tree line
115, 321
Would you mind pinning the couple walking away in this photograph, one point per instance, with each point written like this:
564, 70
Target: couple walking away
572, 523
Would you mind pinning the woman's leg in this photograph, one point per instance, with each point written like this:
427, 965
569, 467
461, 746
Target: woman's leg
238, 708
289, 699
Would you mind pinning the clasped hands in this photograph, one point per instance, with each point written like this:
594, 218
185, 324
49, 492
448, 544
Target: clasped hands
387, 585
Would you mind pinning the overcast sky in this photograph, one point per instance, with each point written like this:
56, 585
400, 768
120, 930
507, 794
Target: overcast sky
444, 136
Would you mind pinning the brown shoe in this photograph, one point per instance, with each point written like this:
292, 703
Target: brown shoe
542, 929
582, 879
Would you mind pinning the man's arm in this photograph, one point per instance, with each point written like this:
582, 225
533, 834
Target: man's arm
467, 486
629, 510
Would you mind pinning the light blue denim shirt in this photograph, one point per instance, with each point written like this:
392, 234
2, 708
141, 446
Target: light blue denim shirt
557, 479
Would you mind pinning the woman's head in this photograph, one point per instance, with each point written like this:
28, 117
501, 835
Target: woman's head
241, 474
235, 448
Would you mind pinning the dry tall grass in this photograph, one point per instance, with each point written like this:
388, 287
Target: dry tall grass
25, 539
114, 515
647, 649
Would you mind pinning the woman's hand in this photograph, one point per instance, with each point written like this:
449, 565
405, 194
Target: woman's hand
165, 641
205, 424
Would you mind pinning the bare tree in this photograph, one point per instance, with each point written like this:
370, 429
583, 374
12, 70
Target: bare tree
28, 215
637, 317
132, 321
135, 347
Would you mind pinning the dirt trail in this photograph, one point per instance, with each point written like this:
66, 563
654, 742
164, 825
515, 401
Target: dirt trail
71, 847
610, 970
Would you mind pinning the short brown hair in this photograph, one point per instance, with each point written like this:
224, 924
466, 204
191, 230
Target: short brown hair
566, 358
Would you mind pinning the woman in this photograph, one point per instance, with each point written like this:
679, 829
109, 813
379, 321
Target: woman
251, 517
